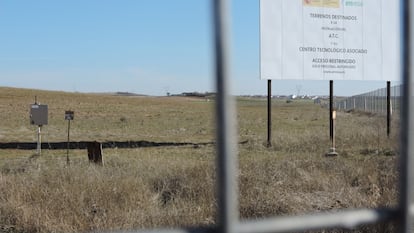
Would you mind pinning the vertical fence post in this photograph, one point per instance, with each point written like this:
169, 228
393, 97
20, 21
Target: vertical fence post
384, 101
354, 103
365, 103
372, 102
395, 98
227, 193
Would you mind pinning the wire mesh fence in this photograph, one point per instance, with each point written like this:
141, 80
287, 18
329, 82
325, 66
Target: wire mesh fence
373, 101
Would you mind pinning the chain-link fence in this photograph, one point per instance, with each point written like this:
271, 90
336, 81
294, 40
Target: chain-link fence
374, 101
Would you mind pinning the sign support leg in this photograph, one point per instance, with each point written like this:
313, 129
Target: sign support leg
332, 116
388, 108
330, 109
67, 152
39, 140
269, 113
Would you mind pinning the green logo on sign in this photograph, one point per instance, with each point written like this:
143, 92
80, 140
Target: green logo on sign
352, 3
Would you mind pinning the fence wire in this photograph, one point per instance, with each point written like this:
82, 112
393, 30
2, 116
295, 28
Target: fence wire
373, 101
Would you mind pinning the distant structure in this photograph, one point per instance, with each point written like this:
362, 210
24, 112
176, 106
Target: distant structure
197, 94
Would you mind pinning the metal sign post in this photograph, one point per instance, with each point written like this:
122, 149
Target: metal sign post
331, 129
269, 113
39, 117
69, 115
39, 140
332, 151
332, 118
388, 108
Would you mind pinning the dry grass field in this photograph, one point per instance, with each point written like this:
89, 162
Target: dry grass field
175, 186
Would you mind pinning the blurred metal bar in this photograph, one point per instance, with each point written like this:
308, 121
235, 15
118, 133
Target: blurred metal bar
187, 230
407, 127
225, 126
348, 219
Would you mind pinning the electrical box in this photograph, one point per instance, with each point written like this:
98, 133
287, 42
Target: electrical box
38, 114
69, 115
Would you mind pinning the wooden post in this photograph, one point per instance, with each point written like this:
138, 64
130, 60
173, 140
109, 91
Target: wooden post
95, 152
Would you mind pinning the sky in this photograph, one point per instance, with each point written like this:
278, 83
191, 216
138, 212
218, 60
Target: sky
151, 47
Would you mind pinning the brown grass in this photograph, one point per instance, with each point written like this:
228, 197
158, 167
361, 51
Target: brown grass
174, 186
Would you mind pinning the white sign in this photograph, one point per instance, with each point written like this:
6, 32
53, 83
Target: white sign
329, 39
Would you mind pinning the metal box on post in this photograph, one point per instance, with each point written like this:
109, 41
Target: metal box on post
38, 114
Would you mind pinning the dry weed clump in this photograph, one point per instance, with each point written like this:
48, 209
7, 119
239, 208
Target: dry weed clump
286, 186
124, 194
160, 188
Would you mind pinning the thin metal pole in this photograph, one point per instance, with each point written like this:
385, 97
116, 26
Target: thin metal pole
225, 116
407, 108
333, 135
67, 152
269, 113
39, 140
